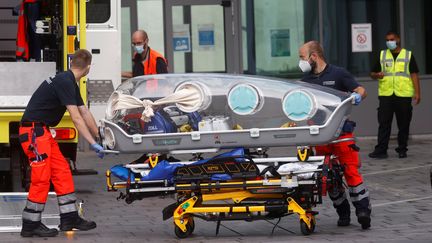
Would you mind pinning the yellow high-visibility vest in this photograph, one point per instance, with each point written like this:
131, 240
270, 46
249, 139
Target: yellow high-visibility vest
397, 78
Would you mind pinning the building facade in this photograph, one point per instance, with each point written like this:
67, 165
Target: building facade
262, 37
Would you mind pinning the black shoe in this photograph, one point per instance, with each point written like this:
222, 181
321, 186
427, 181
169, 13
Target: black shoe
344, 212
76, 223
364, 219
343, 221
402, 155
378, 155
40, 230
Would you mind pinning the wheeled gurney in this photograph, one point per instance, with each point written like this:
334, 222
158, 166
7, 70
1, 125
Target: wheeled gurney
231, 186
169, 114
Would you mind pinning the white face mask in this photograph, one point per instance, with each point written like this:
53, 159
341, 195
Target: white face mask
305, 66
139, 49
391, 45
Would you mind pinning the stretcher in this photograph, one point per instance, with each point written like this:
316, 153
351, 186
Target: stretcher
198, 114
237, 185
192, 112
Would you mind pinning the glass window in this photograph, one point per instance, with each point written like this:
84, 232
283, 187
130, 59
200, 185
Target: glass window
428, 37
206, 50
247, 22
179, 57
417, 25
150, 19
337, 19
208, 38
98, 11
273, 46
126, 53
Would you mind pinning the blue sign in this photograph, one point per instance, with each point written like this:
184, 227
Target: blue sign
181, 43
206, 37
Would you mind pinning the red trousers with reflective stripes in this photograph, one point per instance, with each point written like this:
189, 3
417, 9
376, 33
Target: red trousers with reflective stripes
53, 167
347, 156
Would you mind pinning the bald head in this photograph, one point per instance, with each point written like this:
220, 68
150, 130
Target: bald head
139, 37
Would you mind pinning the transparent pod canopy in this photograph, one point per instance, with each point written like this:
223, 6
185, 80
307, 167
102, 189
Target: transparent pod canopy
220, 102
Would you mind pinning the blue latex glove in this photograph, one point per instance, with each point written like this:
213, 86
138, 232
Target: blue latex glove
357, 98
97, 148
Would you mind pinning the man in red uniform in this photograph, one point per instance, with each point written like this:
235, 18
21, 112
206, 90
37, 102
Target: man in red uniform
28, 41
45, 109
146, 61
317, 71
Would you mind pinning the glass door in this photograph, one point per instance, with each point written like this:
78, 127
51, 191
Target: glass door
202, 36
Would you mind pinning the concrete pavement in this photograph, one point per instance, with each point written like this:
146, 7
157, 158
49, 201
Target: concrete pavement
400, 192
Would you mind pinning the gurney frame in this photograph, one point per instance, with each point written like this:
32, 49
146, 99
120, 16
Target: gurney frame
249, 199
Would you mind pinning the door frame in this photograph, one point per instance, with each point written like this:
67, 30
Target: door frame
133, 18
232, 26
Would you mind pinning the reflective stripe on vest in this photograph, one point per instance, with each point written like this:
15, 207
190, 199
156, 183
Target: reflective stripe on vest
397, 78
22, 49
150, 63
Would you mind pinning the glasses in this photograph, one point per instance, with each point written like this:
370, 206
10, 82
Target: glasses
138, 44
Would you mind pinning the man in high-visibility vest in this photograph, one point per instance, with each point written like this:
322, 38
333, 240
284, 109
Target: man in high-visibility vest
398, 86
146, 61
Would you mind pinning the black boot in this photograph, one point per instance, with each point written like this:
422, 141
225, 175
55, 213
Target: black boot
343, 221
70, 221
363, 212
31, 228
364, 219
344, 212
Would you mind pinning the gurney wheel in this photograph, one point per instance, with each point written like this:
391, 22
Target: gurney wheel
192, 223
189, 229
305, 229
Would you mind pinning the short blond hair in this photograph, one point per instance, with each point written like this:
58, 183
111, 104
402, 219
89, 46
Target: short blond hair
81, 59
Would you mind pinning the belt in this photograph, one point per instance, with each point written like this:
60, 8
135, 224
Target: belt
32, 124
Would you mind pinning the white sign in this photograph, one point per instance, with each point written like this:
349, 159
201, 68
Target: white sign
361, 37
181, 38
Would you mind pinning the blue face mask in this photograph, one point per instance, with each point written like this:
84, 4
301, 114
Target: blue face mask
391, 45
139, 49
